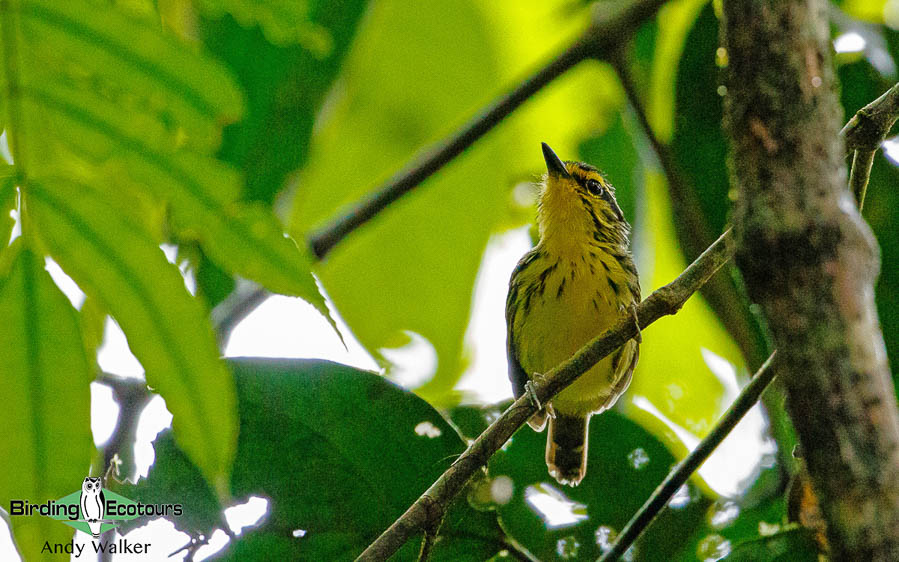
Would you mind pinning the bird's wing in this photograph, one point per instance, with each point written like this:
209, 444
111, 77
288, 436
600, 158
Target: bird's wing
517, 374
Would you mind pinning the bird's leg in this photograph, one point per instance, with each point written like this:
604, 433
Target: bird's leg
639, 336
532, 393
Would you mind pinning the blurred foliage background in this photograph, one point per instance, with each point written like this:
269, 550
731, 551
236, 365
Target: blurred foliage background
217, 125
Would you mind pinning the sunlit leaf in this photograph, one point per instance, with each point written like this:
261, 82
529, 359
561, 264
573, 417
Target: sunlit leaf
142, 107
671, 372
175, 84
166, 327
46, 378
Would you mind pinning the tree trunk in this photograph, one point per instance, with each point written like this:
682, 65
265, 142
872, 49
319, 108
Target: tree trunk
810, 262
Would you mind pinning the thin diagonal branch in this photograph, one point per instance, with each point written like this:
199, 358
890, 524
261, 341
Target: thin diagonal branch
659, 498
612, 25
864, 133
431, 506
238, 305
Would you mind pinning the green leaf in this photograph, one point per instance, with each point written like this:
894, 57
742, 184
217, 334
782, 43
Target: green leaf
625, 464
285, 93
173, 478
796, 545
166, 328
698, 143
339, 453
282, 21
674, 22
46, 378
141, 107
176, 85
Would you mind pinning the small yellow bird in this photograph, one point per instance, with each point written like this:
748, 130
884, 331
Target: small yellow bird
567, 290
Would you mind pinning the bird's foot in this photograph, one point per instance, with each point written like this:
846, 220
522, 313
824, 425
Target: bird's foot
532, 394
639, 337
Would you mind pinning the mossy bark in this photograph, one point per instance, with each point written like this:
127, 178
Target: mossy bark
810, 262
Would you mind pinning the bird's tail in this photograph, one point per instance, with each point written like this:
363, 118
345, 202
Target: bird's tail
566, 448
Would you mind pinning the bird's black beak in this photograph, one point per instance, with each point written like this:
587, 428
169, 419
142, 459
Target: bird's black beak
553, 164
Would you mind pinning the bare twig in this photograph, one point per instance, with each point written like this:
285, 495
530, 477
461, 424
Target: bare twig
864, 133
862, 161
131, 395
872, 123
612, 25
237, 306
433, 503
659, 498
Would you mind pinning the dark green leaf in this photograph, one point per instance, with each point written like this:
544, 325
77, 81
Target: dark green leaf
796, 545
8, 193
339, 453
700, 150
286, 92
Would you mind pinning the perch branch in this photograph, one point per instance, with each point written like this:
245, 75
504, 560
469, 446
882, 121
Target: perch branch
431, 506
864, 133
660, 497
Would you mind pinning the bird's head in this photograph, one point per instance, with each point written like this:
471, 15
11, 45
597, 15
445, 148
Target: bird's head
577, 205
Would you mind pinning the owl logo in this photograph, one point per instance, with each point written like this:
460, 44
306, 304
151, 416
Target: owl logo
93, 504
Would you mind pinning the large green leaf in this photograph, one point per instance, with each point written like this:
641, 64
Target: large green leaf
116, 261
285, 93
45, 375
141, 106
84, 40
339, 453
624, 466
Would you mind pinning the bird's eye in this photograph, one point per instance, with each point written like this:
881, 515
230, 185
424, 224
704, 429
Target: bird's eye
594, 187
